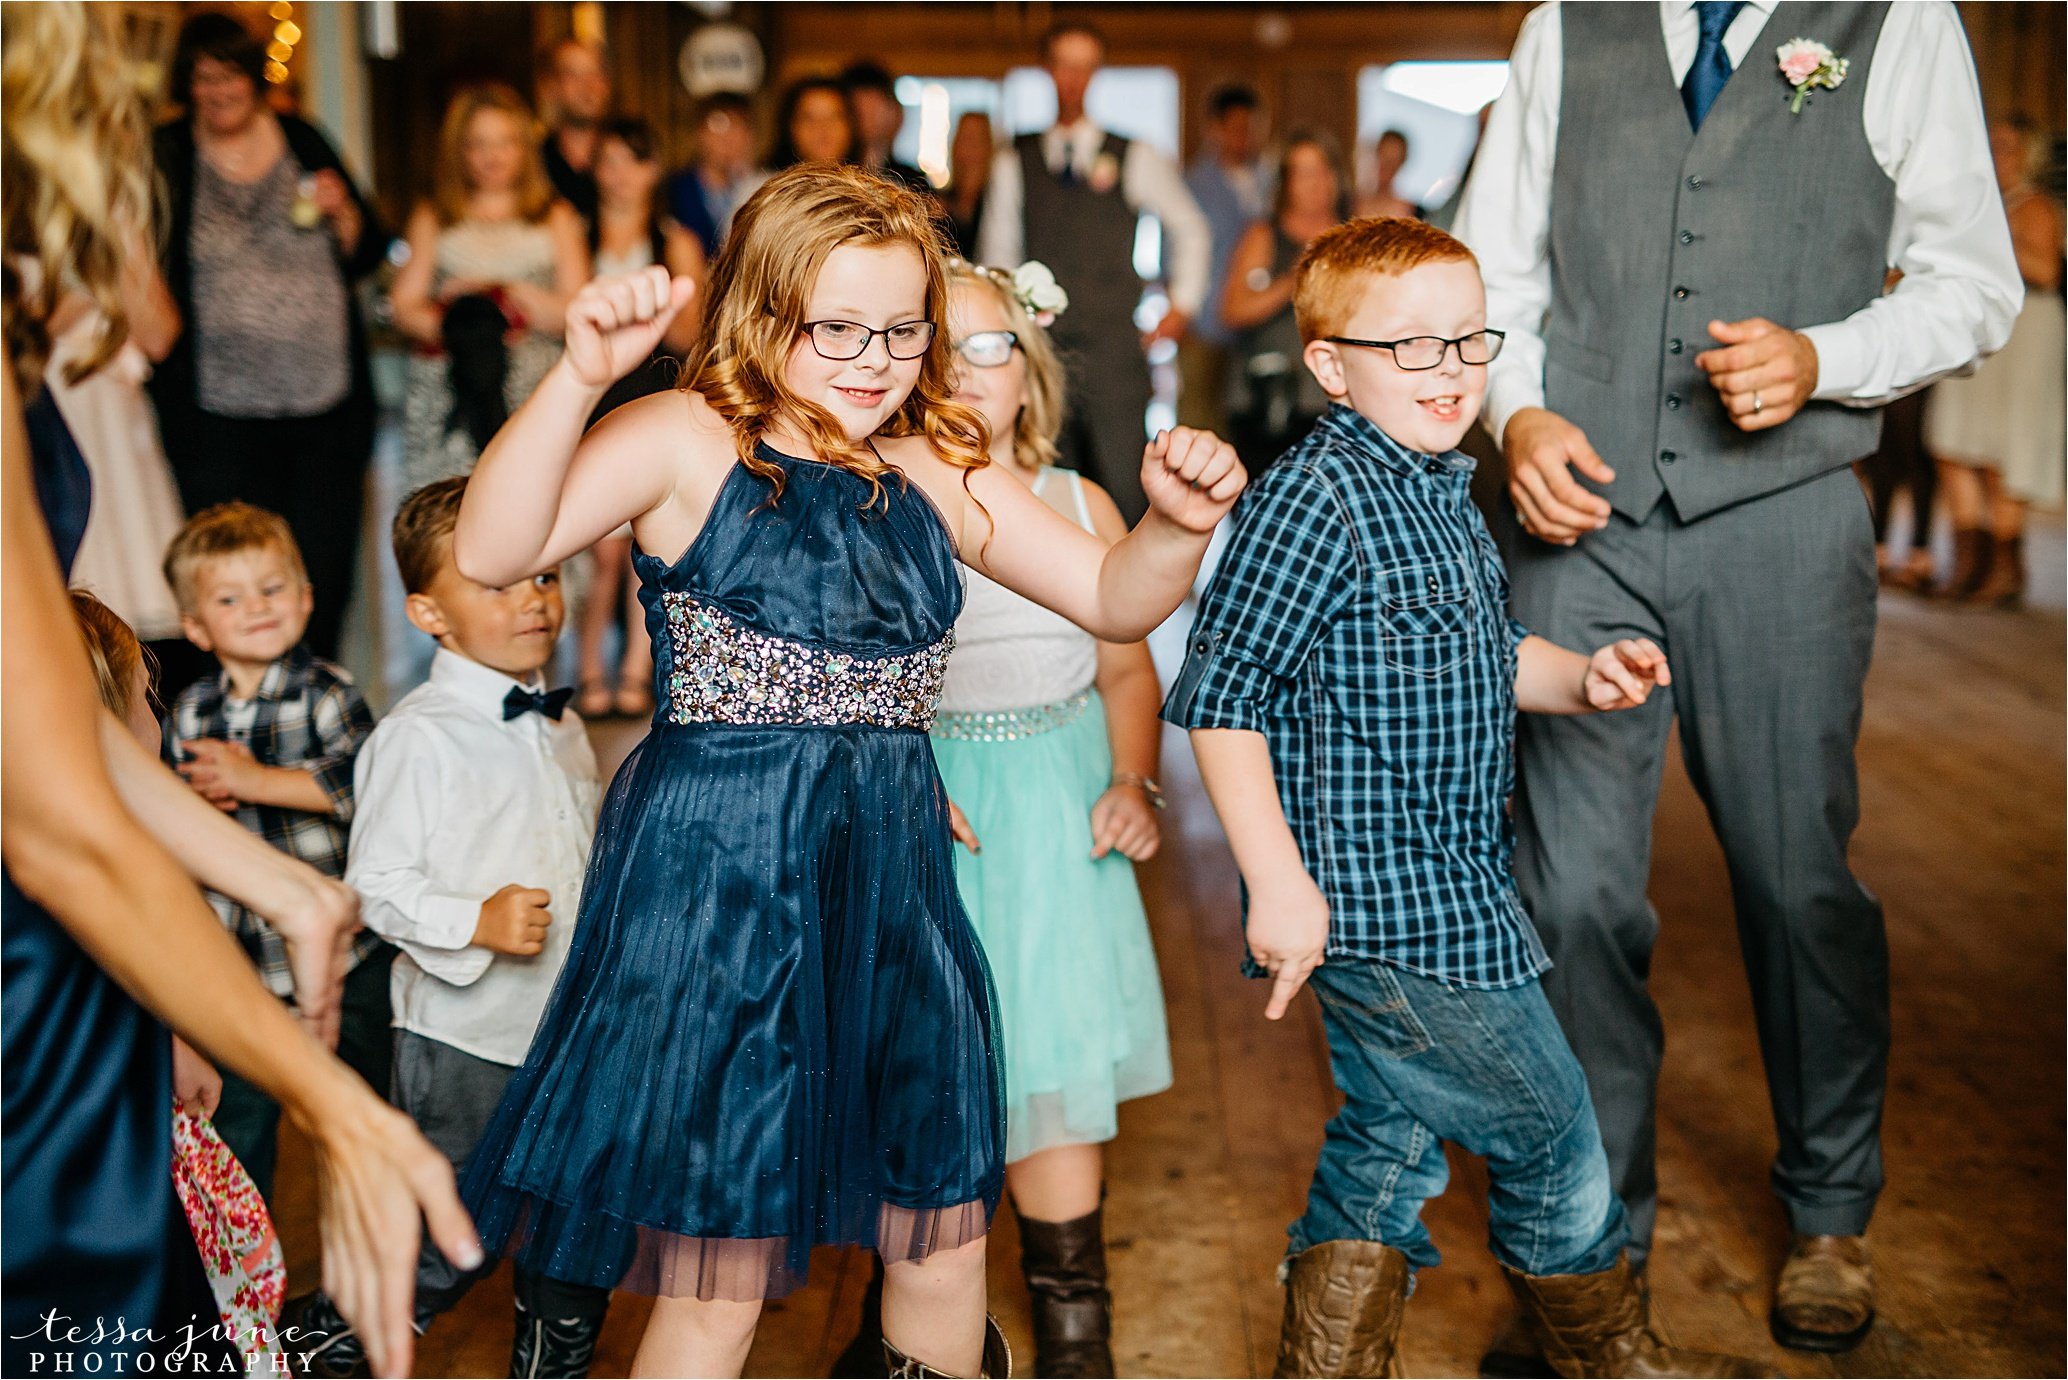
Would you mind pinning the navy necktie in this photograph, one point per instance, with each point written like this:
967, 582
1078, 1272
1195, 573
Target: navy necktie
1712, 65
551, 703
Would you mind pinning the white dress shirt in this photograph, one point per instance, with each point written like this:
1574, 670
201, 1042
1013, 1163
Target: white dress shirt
1922, 112
1148, 182
454, 804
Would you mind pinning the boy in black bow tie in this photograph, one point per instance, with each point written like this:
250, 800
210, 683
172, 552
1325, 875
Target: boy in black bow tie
478, 797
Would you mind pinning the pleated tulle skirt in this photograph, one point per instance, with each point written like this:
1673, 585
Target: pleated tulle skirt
775, 1028
1068, 943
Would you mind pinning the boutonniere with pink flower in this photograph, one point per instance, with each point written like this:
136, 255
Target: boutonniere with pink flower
1808, 65
1105, 173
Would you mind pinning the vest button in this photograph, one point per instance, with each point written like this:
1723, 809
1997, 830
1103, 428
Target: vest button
1667, 457
1673, 347
1687, 237
1694, 184
1673, 401
1680, 294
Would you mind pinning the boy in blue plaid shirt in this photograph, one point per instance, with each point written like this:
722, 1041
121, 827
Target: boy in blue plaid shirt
1351, 687
271, 739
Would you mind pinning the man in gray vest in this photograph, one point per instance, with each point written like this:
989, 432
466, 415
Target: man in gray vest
1685, 214
1071, 197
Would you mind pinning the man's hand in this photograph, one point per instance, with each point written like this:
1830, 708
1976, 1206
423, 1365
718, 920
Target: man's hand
1622, 674
1764, 372
514, 921
1287, 934
1543, 450
224, 773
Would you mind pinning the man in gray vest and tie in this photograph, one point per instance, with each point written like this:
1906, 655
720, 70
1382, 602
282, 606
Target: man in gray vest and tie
1685, 219
1071, 197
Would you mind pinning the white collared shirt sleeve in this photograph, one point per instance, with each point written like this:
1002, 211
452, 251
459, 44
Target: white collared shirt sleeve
1961, 289
1505, 216
1152, 183
1002, 239
401, 780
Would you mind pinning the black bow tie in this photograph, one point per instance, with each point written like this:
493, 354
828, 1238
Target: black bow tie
551, 703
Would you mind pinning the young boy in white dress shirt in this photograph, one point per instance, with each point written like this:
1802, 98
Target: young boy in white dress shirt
478, 795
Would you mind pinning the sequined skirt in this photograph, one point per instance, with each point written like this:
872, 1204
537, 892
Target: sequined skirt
775, 1029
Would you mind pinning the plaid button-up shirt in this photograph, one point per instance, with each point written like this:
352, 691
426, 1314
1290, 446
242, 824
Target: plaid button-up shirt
311, 717
1359, 621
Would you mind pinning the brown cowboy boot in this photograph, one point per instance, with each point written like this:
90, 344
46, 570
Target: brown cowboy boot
1065, 1267
1825, 1298
997, 1363
2003, 583
1598, 1325
1971, 560
1343, 1305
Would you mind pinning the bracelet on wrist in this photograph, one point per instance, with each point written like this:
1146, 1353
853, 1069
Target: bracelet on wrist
1148, 786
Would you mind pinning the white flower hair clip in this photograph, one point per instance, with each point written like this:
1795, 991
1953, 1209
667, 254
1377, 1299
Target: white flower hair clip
1036, 288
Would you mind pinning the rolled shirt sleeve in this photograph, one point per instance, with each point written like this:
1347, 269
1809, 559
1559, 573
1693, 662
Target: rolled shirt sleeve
1152, 183
399, 784
1288, 573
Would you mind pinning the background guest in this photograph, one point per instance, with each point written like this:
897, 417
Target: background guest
574, 93
872, 101
1227, 180
1388, 157
630, 233
1072, 196
268, 397
494, 231
969, 175
1998, 435
721, 174
813, 125
1273, 399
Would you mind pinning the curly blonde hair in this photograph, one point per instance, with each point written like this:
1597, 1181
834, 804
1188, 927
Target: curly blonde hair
1040, 421
76, 191
450, 188
757, 295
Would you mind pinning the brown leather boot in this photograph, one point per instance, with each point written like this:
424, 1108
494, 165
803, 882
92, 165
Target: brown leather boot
1065, 1266
997, 1364
1825, 1298
1598, 1325
1343, 1305
1971, 560
2003, 583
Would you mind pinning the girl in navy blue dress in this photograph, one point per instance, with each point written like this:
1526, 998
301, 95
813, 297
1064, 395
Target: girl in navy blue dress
775, 1028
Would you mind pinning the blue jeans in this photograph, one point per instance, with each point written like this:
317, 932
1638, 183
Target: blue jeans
1421, 1061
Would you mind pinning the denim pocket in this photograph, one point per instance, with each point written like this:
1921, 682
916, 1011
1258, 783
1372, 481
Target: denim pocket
1367, 1000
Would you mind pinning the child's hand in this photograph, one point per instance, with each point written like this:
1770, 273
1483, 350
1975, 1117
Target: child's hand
1288, 932
1622, 674
1123, 819
958, 825
195, 1081
514, 921
224, 773
1191, 477
614, 323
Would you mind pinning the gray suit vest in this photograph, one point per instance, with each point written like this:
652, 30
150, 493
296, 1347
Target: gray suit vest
1657, 231
1087, 238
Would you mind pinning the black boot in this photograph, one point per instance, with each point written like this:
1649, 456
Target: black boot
997, 1362
1065, 1266
318, 1341
557, 1347
864, 1355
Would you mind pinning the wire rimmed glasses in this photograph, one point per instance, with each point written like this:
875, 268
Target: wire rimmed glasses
1418, 352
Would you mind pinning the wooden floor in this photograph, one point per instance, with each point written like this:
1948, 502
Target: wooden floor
1962, 777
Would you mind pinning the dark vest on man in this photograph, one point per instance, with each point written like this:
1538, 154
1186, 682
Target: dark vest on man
1657, 230
1086, 236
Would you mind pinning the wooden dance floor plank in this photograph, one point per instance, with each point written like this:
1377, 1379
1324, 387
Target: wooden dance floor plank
1962, 837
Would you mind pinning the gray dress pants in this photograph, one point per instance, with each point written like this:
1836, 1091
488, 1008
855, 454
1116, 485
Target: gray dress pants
1105, 417
1766, 611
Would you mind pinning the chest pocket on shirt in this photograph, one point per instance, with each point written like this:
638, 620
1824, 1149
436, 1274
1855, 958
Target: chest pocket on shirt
1425, 617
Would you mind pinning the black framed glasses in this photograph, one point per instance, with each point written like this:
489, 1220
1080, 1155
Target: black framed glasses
847, 339
988, 349
1427, 351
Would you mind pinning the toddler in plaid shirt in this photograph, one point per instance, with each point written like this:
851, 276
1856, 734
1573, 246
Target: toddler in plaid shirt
271, 739
1351, 686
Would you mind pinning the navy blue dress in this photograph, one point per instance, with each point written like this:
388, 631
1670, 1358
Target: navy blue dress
775, 1028
85, 1087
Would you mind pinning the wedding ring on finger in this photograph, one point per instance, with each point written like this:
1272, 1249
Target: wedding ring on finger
1757, 405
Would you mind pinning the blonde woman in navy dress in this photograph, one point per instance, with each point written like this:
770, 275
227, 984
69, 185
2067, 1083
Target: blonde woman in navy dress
775, 1028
